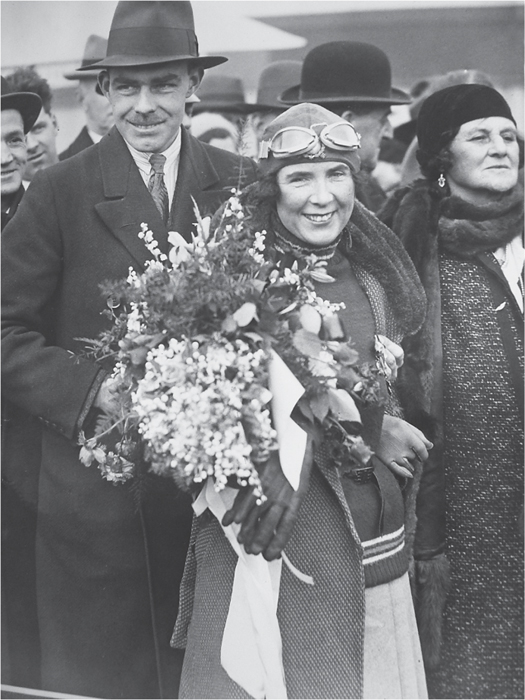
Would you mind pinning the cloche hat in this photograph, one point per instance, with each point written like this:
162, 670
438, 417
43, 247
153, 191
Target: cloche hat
148, 32
345, 71
308, 133
94, 52
28, 104
443, 112
274, 79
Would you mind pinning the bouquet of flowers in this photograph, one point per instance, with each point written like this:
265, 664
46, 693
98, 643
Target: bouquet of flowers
192, 339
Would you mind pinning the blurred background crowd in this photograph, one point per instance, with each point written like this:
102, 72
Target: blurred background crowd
429, 45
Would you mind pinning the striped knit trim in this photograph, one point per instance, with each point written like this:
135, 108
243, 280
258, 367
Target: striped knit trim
383, 547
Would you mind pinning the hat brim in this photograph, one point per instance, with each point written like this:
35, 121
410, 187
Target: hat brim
292, 96
236, 108
82, 74
123, 61
27, 103
259, 107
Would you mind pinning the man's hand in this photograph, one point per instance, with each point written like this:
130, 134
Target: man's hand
267, 528
106, 399
401, 443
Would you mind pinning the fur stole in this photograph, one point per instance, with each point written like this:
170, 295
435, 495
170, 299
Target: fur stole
465, 230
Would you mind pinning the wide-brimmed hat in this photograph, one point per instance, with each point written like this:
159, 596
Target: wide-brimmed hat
345, 71
274, 79
95, 51
220, 93
28, 104
148, 32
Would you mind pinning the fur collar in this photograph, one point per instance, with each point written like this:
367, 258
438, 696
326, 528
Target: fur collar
466, 230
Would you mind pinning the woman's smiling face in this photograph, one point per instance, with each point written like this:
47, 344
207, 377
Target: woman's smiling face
315, 200
485, 159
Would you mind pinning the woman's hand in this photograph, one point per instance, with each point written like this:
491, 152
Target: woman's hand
267, 528
400, 445
391, 354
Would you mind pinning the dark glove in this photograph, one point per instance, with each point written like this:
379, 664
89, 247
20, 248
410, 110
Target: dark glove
266, 528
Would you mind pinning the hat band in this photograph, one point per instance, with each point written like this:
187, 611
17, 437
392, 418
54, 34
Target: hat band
152, 41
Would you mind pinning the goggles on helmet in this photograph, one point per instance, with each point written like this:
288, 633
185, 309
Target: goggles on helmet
299, 140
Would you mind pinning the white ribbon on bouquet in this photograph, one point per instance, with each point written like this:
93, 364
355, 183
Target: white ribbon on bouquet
251, 649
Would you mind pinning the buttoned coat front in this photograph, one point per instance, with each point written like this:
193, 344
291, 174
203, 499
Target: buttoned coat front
108, 568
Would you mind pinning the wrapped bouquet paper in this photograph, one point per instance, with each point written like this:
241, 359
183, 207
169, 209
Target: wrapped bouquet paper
213, 348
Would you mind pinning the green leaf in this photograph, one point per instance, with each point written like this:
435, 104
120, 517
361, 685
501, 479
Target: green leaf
307, 343
320, 405
245, 314
229, 325
343, 406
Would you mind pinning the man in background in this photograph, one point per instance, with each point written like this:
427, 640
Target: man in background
20, 640
96, 108
19, 113
274, 79
41, 138
353, 80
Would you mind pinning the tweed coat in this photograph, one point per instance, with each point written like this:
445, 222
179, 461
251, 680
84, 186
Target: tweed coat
108, 569
82, 141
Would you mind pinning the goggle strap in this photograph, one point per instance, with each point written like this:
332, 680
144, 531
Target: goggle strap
264, 149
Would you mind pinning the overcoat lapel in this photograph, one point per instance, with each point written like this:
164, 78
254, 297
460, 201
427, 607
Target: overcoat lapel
128, 202
196, 174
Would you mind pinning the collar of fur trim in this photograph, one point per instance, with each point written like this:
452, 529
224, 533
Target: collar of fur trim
466, 230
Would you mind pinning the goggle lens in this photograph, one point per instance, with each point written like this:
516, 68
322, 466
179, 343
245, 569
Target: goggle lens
341, 135
293, 141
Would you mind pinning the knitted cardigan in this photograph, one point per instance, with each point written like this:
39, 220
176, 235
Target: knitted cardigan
426, 220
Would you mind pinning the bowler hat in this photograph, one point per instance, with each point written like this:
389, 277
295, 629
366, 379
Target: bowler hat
345, 71
273, 80
220, 93
28, 104
148, 32
95, 51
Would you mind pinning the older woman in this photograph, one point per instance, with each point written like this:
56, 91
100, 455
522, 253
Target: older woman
463, 225
352, 633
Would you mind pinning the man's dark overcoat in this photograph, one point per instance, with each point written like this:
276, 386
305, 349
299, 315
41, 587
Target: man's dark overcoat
103, 563
82, 141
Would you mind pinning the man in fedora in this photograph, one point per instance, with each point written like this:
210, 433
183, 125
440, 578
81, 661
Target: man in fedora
20, 645
97, 110
20, 111
274, 79
41, 138
353, 80
109, 558
221, 112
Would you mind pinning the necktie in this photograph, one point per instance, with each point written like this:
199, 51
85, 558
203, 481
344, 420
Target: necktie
157, 186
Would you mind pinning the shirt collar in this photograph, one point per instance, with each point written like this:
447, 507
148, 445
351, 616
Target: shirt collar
141, 158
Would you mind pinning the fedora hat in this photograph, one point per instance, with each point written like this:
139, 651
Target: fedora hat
95, 51
148, 32
273, 80
220, 93
28, 104
345, 71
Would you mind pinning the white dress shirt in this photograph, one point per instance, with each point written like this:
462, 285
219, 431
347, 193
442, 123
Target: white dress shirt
171, 165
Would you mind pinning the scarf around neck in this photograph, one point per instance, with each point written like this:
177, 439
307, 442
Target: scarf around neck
466, 230
286, 243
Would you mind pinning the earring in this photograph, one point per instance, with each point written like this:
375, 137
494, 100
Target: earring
441, 180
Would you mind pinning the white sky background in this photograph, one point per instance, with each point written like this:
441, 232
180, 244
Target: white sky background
55, 31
